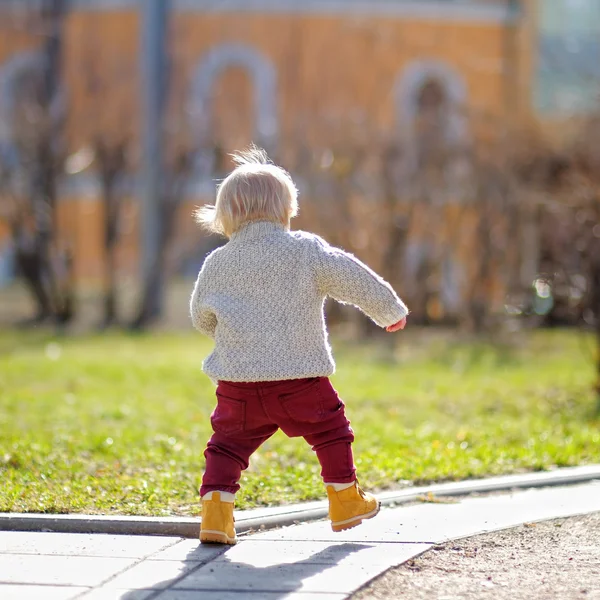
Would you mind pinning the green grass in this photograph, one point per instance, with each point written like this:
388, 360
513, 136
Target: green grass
118, 424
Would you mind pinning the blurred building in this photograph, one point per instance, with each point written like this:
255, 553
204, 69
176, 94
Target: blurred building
293, 75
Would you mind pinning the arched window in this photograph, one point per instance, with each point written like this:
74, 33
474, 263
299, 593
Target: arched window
234, 97
431, 92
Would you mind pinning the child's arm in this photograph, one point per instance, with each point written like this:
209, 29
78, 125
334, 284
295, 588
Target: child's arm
348, 280
203, 319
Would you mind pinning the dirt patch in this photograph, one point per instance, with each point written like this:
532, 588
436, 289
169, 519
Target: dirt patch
551, 560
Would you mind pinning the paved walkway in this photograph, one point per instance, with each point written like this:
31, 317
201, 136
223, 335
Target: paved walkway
302, 562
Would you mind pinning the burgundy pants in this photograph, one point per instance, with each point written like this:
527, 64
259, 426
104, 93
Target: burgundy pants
247, 414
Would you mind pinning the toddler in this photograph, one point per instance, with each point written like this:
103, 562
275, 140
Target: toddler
260, 298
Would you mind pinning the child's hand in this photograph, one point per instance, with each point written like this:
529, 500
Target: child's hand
397, 326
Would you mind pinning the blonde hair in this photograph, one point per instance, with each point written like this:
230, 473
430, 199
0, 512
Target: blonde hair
256, 190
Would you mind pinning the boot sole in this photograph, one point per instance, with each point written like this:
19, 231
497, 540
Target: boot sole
216, 537
354, 522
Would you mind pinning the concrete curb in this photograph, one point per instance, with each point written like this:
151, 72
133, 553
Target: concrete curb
281, 516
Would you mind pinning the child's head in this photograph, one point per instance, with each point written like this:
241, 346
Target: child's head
256, 190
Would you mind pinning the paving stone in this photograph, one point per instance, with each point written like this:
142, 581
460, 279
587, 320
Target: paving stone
36, 592
78, 544
59, 570
245, 595
388, 526
304, 577
429, 523
307, 562
264, 554
155, 574
190, 550
108, 594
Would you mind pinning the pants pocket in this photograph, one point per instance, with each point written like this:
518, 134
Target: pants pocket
304, 405
315, 402
229, 417
333, 407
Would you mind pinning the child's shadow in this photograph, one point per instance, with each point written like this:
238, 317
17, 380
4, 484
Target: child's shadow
218, 577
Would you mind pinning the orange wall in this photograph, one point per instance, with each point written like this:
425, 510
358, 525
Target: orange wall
14, 41
327, 67
335, 65
81, 229
102, 75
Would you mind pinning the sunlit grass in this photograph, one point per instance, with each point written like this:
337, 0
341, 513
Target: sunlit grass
117, 423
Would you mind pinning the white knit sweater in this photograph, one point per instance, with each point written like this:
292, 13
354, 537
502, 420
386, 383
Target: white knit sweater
261, 296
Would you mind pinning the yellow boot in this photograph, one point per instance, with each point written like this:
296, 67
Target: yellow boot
348, 507
217, 521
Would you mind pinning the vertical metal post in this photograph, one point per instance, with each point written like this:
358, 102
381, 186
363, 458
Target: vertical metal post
153, 42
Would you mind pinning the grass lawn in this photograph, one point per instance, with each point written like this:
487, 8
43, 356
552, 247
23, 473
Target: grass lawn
117, 423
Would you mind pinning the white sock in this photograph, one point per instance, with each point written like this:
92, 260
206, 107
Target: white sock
225, 496
338, 487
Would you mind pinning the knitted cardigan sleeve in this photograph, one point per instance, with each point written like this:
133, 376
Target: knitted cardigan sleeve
346, 279
203, 318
